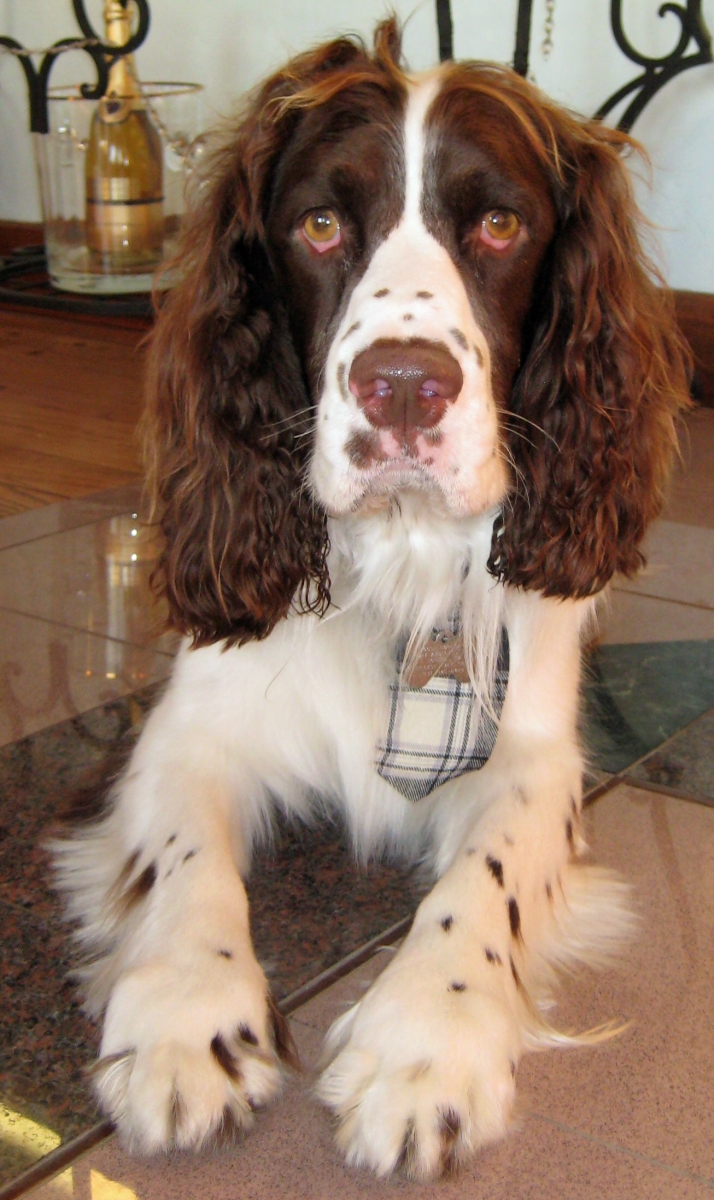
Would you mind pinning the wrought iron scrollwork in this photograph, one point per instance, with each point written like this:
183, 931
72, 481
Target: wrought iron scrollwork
658, 71
102, 54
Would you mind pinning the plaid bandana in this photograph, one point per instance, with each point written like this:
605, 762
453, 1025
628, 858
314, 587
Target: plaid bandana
431, 736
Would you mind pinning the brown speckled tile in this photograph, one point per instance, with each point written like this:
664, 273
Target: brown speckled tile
45, 1039
310, 906
36, 775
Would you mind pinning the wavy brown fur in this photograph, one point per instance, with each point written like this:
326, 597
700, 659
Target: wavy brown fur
227, 399
604, 372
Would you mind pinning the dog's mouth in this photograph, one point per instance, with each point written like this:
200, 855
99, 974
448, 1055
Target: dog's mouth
382, 483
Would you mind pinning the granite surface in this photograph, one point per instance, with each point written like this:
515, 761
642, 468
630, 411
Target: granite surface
310, 906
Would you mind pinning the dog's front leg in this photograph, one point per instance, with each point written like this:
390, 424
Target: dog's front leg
192, 1042
422, 1069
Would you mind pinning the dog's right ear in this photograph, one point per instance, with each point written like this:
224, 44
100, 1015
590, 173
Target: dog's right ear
243, 540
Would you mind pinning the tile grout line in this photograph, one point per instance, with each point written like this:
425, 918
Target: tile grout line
64, 1156
661, 789
661, 600
118, 509
56, 1161
106, 637
665, 742
347, 964
157, 683
616, 1148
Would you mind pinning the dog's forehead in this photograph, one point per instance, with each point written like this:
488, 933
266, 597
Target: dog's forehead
443, 127
357, 131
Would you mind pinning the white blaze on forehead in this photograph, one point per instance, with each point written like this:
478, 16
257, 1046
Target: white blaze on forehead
422, 91
412, 289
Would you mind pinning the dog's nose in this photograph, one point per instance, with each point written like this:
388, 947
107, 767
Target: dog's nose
405, 385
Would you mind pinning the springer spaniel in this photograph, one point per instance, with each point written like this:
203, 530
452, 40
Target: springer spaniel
413, 401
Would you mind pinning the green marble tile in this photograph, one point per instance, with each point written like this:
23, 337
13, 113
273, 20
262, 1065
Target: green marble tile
686, 764
637, 696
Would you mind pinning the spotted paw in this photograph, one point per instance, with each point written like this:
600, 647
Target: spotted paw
188, 1056
420, 1074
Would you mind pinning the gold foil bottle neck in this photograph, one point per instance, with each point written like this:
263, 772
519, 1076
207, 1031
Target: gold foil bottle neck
123, 82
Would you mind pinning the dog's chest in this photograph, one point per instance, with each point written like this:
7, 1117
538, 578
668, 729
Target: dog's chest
434, 730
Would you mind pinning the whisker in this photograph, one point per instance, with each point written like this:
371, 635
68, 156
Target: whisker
517, 433
305, 414
519, 417
518, 474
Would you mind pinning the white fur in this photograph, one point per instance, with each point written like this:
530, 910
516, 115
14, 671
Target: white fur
418, 1068
299, 715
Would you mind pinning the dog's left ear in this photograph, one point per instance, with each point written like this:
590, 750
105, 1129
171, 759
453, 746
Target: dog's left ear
604, 374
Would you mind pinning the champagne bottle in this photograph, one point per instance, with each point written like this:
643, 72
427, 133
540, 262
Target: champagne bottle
124, 166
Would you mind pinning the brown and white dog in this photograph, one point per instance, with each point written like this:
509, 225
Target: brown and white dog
412, 405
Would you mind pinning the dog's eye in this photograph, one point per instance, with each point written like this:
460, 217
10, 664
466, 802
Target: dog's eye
322, 229
498, 228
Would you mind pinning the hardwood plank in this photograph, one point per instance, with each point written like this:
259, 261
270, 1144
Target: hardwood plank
695, 317
71, 395
20, 233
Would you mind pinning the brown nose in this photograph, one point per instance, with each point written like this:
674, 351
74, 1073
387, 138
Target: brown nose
403, 385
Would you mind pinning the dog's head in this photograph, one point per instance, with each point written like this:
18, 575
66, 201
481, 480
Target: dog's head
390, 283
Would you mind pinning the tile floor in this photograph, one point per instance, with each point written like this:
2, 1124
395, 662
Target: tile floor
80, 661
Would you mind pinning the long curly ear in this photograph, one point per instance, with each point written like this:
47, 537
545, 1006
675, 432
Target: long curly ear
603, 377
227, 404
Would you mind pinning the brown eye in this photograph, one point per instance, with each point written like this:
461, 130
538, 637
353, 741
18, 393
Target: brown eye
499, 227
322, 228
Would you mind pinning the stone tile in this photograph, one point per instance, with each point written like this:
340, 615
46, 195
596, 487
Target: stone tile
651, 1090
45, 1039
691, 494
637, 696
629, 618
311, 905
322, 1010
68, 514
49, 673
685, 764
290, 1153
629, 1119
37, 775
94, 578
679, 564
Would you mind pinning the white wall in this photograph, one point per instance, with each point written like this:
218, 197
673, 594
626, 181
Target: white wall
227, 45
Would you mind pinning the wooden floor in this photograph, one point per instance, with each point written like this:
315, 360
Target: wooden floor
70, 400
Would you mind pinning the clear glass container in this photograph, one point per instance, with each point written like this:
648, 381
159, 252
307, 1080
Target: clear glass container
175, 112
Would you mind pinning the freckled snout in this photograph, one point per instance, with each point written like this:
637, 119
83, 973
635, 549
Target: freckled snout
405, 385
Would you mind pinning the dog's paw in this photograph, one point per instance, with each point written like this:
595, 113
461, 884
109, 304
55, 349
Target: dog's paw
188, 1056
420, 1075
